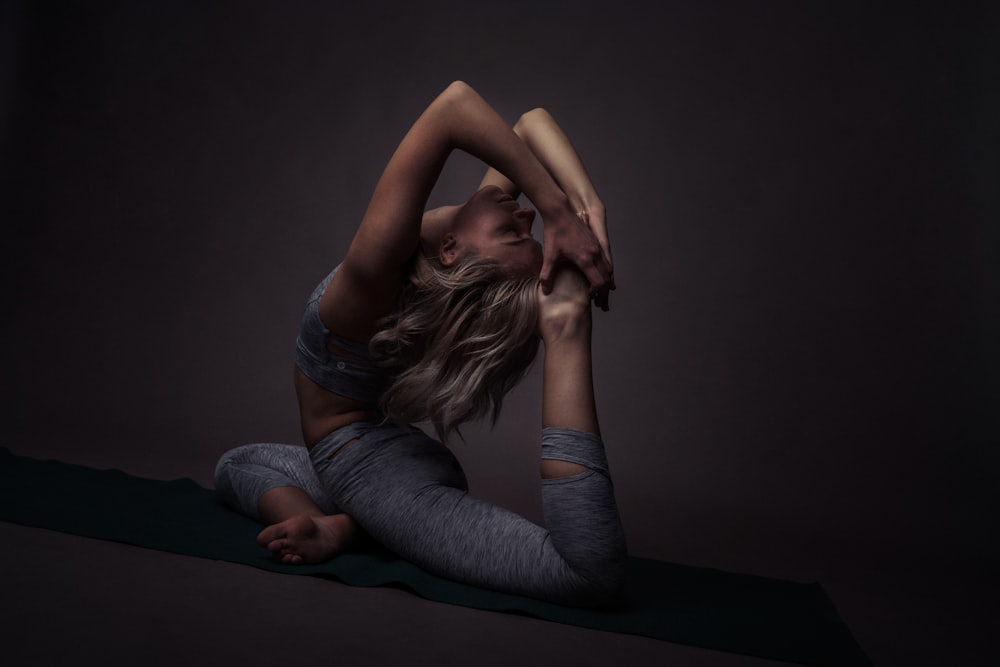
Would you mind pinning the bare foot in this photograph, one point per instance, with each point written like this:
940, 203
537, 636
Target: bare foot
305, 538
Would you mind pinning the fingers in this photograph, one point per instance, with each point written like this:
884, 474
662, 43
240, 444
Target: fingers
600, 292
601, 295
545, 276
611, 263
597, 223
586, 248
596, 270
545, 280
597, 277
601, 301
606, 251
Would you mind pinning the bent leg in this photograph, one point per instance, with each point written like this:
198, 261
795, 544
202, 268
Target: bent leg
244, 474
408, 492
276, 484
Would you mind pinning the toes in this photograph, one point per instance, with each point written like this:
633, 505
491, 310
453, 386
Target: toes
283, 551
287, 557
270, 534
297, 540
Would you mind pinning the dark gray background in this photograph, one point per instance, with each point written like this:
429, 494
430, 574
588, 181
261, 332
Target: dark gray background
799, 374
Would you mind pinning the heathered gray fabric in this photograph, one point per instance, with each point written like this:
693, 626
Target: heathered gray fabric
246, 473
357, 376
408, 491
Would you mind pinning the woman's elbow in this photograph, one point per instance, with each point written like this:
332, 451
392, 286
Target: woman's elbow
533, 117
458, 89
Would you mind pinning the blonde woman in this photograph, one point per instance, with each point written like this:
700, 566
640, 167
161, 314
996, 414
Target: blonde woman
433, 317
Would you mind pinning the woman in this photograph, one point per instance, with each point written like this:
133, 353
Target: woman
433, 317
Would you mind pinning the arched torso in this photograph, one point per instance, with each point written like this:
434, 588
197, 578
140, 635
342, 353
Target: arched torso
337, 381
321, 412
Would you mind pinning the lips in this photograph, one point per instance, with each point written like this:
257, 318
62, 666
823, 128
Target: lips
527, 214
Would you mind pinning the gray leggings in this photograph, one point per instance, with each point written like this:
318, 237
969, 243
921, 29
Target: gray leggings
409, 493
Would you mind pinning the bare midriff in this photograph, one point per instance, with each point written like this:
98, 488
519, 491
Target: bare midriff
322, 412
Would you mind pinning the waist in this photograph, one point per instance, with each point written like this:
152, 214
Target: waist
333, 442
322, 412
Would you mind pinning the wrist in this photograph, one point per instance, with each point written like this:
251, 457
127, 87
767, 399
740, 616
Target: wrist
587, 209
554, 206
592, 205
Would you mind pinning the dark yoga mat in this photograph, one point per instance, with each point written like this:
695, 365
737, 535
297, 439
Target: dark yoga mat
739, 613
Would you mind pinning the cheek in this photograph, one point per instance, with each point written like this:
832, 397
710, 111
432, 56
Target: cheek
473, 241
528, 262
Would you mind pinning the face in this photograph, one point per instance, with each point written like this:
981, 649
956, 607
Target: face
492, 224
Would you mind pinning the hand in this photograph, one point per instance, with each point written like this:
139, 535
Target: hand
596, 219
569, 238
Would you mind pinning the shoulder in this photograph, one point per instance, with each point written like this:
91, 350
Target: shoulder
355, 301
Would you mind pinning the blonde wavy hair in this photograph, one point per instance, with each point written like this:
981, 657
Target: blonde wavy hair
460, 339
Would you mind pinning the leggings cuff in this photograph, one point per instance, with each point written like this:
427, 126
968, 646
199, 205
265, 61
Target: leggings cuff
580, 447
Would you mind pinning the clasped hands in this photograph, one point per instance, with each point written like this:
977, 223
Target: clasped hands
579, 238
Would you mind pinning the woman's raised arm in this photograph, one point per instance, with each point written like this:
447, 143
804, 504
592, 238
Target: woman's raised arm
366, 287
539, 130
568, 402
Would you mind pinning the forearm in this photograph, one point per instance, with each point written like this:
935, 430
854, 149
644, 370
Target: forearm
550, 145
576, 235
539, 130
458, 118
474, 127
494, 177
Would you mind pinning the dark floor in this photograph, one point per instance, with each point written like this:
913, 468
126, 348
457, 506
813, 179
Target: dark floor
72, 600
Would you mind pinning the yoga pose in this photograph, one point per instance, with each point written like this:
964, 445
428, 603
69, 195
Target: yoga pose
432, 317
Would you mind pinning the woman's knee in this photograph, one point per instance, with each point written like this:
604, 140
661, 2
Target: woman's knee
224, 468
221, 476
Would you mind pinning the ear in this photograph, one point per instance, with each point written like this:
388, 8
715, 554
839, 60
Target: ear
448, 250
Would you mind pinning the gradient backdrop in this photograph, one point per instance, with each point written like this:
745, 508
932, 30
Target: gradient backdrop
799, 374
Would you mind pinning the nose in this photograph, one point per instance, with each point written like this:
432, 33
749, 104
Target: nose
525, 216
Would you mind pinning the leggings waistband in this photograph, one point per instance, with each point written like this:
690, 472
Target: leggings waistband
332, 443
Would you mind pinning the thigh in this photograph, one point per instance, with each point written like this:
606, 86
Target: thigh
410, 494
388, 458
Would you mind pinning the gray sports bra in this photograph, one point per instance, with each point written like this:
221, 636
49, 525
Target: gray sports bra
360, 379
